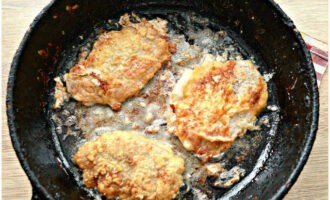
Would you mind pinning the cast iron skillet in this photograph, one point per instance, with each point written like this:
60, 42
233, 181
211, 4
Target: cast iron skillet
260, 23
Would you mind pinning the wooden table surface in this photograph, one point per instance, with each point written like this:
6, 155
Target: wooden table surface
310, 16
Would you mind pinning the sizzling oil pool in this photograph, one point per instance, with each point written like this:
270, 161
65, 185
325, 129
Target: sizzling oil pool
195, 36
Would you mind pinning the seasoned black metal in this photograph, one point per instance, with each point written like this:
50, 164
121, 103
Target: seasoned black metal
260, 23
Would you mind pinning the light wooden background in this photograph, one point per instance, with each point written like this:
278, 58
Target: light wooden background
310, 16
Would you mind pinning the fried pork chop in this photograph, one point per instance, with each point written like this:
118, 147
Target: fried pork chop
215, 103
120, 63
130, 166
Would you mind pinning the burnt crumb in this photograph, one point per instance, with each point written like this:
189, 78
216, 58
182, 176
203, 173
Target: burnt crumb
43, 53
71, 120
172, 108
145, 95
241, 157
228, 178
111, 25
222, 34
135, 111
71, 8
64, 114
83, 52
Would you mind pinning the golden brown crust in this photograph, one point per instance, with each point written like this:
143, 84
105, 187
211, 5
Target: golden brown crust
130, 166
121, 63
218, 102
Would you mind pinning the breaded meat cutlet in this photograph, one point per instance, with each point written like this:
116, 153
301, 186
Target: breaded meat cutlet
120, 63
130, 166
215, 103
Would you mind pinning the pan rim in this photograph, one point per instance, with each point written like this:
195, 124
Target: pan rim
283, 190
37, 188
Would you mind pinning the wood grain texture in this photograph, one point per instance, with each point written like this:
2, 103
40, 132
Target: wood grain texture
310, 16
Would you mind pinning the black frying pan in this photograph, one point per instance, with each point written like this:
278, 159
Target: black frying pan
261, 24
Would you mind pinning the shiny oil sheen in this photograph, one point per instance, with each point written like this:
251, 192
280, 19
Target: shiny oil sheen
264, 31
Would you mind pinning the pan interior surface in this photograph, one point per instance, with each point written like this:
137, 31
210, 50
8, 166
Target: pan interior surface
260, 31
247, 152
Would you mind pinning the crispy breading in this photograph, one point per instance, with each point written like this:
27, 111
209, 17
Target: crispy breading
120, 63
61, 94
130, 166
215, 103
